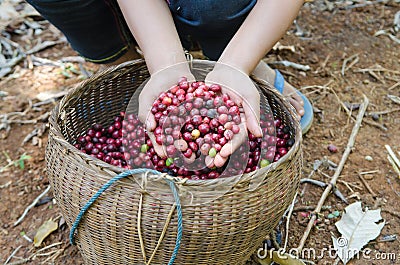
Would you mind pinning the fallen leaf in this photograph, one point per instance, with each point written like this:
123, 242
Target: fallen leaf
394, 98
357, 228
44, 231
7, 11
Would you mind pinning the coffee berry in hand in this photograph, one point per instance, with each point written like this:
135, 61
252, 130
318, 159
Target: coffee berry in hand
194, 121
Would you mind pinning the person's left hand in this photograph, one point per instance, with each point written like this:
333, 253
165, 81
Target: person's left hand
243, 92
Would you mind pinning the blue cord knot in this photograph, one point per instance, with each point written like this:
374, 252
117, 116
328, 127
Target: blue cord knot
125, 174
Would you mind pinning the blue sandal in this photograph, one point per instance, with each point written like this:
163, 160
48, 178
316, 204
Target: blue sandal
307, 119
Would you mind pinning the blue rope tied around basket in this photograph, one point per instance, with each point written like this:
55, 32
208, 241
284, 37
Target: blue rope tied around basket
125, 174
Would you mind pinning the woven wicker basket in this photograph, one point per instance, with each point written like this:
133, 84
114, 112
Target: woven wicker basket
227, 230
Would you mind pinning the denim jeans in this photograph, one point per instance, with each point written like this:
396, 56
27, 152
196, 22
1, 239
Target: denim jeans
97, 30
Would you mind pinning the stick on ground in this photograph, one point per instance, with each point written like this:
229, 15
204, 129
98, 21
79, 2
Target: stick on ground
31, 206
335, 177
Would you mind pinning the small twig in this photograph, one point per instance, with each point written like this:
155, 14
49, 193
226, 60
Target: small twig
20, 262
339, 169
378, 125
372, 73
367, 3
323, 65
304, 208
380, 69
342, 104
27, 238
289, 215
367, 185
30, 135
55, 256
323, 185
72, 59
393, 155
394, 98
370, 172
47, 253
305, 184
355, 59
12, 255
6, 185
386, 33
49, 246
43, 61
31, 206
395, 85
293, 65
22, 121
326, 86
384, 112
397, 214
43, 45
391, 78
375, 124
348, 184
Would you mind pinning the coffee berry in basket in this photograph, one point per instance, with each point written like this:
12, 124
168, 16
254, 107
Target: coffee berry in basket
194, 121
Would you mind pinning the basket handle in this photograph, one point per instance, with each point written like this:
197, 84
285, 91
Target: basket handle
125, 174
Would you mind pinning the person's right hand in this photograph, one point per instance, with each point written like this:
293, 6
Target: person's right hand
243, 92
159, 82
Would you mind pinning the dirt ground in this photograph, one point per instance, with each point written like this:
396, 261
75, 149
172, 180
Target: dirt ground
346, 60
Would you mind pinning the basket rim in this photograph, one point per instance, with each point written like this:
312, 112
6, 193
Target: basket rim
59, 111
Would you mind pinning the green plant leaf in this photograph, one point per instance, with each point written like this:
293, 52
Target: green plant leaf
21, 164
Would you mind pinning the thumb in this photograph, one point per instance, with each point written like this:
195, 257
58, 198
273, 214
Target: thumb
253, 118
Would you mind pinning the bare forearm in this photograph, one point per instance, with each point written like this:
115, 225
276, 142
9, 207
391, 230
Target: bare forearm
151, 24
263, 27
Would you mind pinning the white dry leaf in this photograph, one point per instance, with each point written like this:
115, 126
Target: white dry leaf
7, 11
396, 21
394, 98
357, 228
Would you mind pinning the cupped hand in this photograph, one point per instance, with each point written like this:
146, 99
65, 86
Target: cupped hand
243, 92
159, 82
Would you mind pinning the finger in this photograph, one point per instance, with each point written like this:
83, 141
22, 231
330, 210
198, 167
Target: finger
235, 143
144, 113
190, 160
219, 161
253, 118
150, 123
209, 161
157, 148
235, 97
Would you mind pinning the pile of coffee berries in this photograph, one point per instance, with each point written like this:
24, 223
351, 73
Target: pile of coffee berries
194, 121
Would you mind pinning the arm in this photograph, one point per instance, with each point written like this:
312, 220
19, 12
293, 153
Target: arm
263, 27
153, 28
151, 24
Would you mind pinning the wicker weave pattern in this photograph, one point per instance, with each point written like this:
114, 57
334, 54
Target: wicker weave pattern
224, 231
